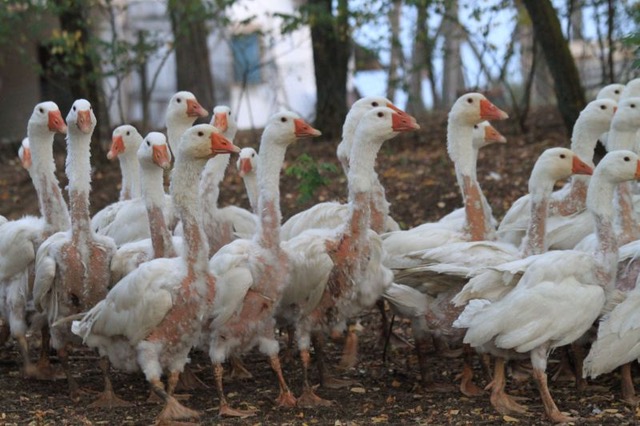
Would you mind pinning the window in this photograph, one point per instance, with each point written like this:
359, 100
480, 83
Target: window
246, 58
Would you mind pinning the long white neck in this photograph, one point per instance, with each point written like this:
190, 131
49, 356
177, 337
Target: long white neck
599, 201
185, 199
346, 144
269, 216
130, 169
175, 129
212, 175
540, 188
52, 205
153, 195
460, 148
362, 182
78, 169
621, 138
251, 185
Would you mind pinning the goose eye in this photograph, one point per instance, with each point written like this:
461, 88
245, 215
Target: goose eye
374, 104
470, 100
563, 156
617, 92
632, 105
627, 159
148, 144
178, 100
229, 113
283, 119
253, 155
74, 107
128, 133
200, 133
475, 126
41, 110
381, 114
603, 107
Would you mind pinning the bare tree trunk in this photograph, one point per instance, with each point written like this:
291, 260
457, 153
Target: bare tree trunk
84, 79
569, 93
453, 78
193, 69
396, 48
415, 104
331, 40
611, 12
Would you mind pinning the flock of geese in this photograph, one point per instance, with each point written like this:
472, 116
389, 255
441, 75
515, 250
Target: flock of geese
154, 276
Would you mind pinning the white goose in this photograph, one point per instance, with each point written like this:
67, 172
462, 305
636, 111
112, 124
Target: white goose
611, 91
247, 165
126, 221
252, 273
565, 228
337, 273
72, 267
153, 316
328, 215
561, 293
20, 239
221, 223
125, 142
154, 157
469, 110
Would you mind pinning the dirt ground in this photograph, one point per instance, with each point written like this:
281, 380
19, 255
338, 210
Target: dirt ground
420, 184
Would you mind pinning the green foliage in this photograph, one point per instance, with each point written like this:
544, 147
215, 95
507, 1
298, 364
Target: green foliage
310, 174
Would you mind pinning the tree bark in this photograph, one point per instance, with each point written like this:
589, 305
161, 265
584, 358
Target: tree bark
396, 48
452, 78
331, 41
83, 80
569, 92
193, 69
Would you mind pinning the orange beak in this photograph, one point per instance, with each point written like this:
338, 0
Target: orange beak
491, 135
396, 109
245, 167
579, 167
117, 147
222, 145
84, 121
304, 129
194, 109
26, 157
56, 123
161, 156
637, 176
220, 121
489, 111
403, 122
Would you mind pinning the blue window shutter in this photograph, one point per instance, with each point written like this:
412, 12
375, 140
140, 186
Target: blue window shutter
246, 58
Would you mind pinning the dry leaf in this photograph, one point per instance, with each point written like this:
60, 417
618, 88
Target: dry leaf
510, 419
358, 390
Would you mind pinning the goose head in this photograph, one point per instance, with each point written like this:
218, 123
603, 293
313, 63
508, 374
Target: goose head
24, 154
124, 139
473, 108
556, 164
204, 141
611, 91
154, 150
247, 161
286, 127
484, 134
46, 117
599, 113
631, 89
627, 115
224, 121
183, 106
618, 166
81, 118
383, 123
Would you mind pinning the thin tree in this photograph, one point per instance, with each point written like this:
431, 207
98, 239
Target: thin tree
568, 89
331, 41
396, 48
193, 70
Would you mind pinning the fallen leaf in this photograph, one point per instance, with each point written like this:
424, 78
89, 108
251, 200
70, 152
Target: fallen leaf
358, 390
510, 419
